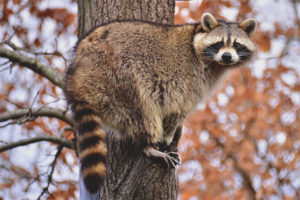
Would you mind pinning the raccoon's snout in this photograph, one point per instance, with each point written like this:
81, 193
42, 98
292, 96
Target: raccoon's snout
226, 57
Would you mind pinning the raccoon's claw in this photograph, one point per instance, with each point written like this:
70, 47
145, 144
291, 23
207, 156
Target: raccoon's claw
171, 159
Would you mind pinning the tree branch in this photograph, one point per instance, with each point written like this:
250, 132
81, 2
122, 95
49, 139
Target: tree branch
53, 139
37, 112
294, 2
46, 189
245, 176
35, 65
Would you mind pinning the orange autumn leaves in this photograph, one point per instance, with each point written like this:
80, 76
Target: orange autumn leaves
249, 145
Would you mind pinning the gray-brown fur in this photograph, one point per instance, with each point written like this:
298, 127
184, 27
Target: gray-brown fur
143, 79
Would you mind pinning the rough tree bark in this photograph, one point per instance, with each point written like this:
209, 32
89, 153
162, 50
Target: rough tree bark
130, 175
85, 16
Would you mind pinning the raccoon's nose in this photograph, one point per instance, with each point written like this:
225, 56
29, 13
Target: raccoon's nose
226, 57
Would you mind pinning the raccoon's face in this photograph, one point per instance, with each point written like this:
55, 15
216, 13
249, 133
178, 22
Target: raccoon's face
225, 43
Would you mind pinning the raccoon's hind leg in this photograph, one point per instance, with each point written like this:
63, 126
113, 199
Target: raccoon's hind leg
152, 140
170, 154
168, 146
171, 159
172, 132
173, 147
172, 126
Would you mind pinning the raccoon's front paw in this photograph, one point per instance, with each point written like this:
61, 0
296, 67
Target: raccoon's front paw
169, 159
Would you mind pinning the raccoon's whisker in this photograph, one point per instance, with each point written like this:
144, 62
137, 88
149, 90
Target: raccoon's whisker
210, 51
209, 55
244, 53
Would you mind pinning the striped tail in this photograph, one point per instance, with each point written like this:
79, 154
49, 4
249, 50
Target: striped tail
91, 147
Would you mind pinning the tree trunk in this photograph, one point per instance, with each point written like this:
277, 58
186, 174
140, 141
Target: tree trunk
151, 10
130, 175
85, 16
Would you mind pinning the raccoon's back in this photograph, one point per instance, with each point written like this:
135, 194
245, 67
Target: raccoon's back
112, 55
128, 56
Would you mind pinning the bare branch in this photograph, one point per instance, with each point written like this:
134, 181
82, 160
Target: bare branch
37, 112
294, 2
17, 171
270, 165
6, 62
52, 167
53, 139
245, 176
8, 124
35, 65
17, 48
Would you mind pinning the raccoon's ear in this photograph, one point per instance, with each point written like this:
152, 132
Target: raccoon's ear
248, 25
208, 22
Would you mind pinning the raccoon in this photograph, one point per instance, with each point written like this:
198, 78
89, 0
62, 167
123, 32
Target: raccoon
142, 79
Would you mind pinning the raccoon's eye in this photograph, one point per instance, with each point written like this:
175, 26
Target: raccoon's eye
219, 45
237, 46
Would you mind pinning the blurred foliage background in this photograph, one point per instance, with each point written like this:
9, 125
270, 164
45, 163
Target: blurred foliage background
243, 143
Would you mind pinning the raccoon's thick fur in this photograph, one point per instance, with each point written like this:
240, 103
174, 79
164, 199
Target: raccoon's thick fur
142, 79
